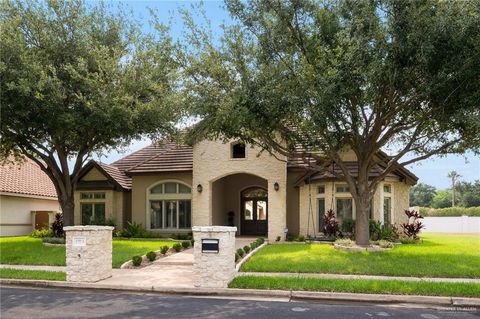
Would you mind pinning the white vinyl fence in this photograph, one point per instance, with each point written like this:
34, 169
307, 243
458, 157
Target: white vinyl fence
460, 224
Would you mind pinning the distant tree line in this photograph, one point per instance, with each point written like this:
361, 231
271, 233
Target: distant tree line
467, 195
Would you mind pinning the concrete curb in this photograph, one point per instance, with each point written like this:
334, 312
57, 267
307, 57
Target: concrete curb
457, 302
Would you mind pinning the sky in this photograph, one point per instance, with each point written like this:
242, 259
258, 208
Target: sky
432, 171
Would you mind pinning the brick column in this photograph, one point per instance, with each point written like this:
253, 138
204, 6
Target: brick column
214, 269
89, 253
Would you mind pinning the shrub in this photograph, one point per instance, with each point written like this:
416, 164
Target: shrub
240, 252
151, 255
301, 238
54, 240
348, 225
375, 229
278, 238
192, 242
40, 233
185, 244
253, 245
133, 230
385, 244
289, 237
237, 257
449, 211
164, 249
345, 242
137, 260
246, 248
408, 241
389, 233
57, 226
414, 225
331, 223
261, 240
177, 247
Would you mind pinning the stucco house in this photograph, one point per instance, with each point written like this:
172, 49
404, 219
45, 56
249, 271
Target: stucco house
28, 199
169, 188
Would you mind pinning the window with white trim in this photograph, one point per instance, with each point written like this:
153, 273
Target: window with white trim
170, 206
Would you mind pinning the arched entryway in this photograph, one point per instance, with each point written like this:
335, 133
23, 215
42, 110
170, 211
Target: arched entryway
254, 211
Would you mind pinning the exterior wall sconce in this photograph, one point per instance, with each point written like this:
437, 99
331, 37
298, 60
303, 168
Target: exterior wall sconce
199, 188
276, 186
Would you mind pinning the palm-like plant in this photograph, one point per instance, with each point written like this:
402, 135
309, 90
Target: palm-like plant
453, 175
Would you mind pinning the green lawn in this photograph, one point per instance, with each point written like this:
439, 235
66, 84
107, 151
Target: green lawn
439, 255
32, 274
358, 286
30, 251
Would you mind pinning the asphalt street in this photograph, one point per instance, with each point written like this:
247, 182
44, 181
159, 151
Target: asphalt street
20, 302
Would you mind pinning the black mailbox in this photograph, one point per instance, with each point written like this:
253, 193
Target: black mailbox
210, 246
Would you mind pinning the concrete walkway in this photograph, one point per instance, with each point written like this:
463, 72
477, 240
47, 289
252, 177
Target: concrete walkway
370, 277
33, 267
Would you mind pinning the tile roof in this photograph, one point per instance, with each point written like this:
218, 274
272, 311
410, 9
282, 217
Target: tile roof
115, 173
26, 178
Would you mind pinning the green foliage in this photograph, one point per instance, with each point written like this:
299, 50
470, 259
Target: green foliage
78, 80
32, 274
54, 240
301, 238
237, 257
385, 244
136, 230
253, 245
408, 241
289, 237
151, 256
177, 247
422, 195
137, 260
240, 252
468, 194
164, 249
348, 226
57, 226
246, 249
261, 240
185, 244
40, 233
450, 211
442, 199
278, 238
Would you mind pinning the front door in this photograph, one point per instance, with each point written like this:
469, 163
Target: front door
254, 212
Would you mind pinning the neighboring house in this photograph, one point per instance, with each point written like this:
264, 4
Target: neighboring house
28, 199
168, 188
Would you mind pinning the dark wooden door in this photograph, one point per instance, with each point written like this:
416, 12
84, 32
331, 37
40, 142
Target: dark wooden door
254, 216
41, 220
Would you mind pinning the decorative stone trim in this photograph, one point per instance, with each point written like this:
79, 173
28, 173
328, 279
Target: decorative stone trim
358, 248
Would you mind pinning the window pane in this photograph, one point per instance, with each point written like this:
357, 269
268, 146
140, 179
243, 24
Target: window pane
387, 206
170, 188
86, 195
261, 210
387, 188
254, 193
99, 213
321, 189
157, 189
238, 150
183, 189
248, 210
321, 213
156, 216
87, 213
171, 217
344, 208
184, 213
99, 195
343, 189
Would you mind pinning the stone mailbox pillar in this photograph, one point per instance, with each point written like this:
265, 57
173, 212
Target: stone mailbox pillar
214, 256
89, 252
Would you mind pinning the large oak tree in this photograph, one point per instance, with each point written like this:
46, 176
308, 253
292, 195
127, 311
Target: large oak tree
313, 78
77, 80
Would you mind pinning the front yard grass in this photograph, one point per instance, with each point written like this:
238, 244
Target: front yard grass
396, 287
438, 255
25, 250
32, 274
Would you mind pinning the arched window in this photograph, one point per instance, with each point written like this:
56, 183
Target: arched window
170, 206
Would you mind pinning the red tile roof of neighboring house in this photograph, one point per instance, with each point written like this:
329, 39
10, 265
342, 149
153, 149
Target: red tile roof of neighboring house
26, 178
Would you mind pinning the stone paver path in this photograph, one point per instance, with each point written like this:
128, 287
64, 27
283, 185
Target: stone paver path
340, 276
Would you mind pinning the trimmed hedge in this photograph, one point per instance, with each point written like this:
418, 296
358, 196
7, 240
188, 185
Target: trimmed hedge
449, 211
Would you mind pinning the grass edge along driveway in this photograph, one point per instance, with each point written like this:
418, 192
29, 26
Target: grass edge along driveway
438, 255
9, 273
394, 287
24, 250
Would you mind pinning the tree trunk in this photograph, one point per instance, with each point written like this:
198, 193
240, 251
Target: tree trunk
68, 207
362, 232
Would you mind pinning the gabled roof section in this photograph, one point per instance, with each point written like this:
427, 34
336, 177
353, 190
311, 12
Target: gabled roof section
112, 173
26, 178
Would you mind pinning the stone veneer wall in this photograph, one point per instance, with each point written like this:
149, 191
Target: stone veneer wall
212, 161
214, 270
92, 262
